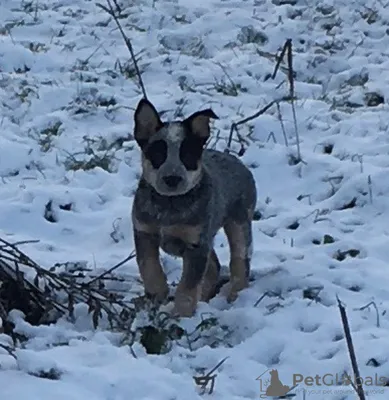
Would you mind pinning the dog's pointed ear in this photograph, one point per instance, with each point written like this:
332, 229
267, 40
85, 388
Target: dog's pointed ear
147, 121
198, 123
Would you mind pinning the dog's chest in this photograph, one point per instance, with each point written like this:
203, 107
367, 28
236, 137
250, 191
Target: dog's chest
175, 240
172, 245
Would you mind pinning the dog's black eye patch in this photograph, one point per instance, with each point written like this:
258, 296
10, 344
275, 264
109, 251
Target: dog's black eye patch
156, 153
191, 150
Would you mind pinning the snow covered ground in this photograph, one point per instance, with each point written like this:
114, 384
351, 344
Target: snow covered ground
69, 166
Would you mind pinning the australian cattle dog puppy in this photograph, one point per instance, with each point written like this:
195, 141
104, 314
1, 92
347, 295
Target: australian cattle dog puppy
186, 193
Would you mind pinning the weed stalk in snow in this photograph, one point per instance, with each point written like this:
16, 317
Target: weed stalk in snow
358, 387
234, 125
287, 50
110, 10
203, 381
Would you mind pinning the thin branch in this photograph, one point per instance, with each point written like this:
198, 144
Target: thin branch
353, 358
288, 51
25, 242
110, 10
203, 381
280, 58
282, 124
372, 303
234, 125
109, 271
9, 350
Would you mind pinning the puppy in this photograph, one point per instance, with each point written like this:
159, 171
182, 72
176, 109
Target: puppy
186, 193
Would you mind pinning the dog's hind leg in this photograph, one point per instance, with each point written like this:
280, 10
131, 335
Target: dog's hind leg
150, 269
239, 235
211, 277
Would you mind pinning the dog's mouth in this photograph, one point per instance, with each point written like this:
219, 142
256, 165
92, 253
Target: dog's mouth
170, 192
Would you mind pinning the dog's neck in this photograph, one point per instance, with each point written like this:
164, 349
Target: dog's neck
153, 207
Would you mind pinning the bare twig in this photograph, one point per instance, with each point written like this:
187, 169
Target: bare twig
372, 303
110, 10
234, 125
233, 85
37, 303
280, 58
208, 378
359, 387
110, 270
370, 189
282, 124
287, 50
9, 350
268, 294
358, 157
271, 136
24, 242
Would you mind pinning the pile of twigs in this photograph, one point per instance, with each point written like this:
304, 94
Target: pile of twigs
44, 295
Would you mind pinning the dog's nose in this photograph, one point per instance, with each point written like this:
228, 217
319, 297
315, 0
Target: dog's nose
172, 181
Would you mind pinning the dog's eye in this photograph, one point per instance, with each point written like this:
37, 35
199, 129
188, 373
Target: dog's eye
156, 153
190, 152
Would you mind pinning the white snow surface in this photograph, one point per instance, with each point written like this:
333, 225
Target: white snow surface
62, 92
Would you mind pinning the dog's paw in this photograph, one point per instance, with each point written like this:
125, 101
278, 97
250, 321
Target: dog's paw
209, 293
232, 295
182, 313
184, 306
232, 289
158, 296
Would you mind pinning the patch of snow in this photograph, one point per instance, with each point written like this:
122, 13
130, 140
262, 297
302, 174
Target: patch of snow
67, 95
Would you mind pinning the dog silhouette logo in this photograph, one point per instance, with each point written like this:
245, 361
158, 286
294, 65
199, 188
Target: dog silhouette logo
274, 386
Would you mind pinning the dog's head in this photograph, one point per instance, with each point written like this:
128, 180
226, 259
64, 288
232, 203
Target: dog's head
171, 151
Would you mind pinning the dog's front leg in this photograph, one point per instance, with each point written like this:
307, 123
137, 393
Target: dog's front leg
189, 288
150, 269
